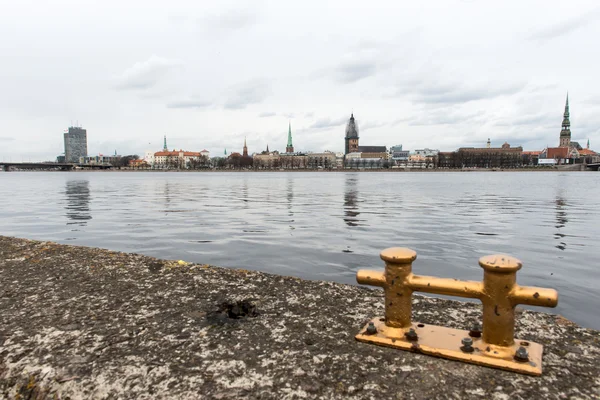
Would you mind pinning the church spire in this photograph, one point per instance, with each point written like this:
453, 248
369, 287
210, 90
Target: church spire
165, 148
565, 132
290, 147
245, 152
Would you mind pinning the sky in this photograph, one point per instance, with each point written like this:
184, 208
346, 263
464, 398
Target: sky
207, 74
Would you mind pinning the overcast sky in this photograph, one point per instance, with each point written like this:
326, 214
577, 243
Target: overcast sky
437, 74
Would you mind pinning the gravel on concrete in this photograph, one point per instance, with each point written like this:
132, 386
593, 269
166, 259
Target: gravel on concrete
87, 323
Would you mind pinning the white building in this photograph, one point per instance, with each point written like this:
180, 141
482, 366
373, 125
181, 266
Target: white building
149, 157
175, 159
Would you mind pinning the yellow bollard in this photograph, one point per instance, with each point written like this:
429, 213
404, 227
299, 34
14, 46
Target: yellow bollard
499, 293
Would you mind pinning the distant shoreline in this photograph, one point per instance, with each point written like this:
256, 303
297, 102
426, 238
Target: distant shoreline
395, 170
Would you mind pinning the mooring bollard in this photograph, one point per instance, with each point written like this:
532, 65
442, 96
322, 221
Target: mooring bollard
492, 345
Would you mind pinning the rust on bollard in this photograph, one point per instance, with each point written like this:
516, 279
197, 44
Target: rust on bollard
499, 293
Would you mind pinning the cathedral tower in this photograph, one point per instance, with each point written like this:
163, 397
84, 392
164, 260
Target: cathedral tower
565, 132
165, 148
245, 152
351, 136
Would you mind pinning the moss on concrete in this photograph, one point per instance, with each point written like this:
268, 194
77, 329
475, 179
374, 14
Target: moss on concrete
84, 323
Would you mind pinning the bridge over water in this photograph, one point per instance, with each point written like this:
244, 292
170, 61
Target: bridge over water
7, 166
594, 167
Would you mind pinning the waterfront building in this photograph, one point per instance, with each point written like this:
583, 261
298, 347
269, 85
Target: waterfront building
205, 153
530, 158
293, 160
428, 153
423, 158
482, 157
398, 155
139, 164
339, 159
326, 159
267, 159
149, 157
176, 159
100, 159
75, 140
378, 152
351, 138
568, 151
491, 157
290, 147
448, 159
351, 143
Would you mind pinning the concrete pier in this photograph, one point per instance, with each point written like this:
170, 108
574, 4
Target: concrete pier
86, 323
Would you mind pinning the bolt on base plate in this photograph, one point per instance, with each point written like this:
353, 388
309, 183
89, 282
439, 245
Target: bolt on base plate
445, 342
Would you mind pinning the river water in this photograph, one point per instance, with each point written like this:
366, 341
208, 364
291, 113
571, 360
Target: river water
327, 225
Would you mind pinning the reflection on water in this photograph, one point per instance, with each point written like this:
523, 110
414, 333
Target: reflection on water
561, 221
328, 225
290, 196
78, 202
350, 203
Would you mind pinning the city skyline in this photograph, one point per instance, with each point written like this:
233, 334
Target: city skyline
450, 75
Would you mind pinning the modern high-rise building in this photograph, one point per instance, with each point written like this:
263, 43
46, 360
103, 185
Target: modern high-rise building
75, 144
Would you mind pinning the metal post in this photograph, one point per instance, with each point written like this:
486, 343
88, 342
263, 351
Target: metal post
499, 294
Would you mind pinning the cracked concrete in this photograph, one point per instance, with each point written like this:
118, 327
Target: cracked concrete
86, 323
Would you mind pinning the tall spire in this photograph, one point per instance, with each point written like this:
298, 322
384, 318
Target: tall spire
565, 132
588, 145
165, 148
225, 151
290, 147
245, 151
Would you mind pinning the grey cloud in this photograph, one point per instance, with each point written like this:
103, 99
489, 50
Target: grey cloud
371, 125
594, 100
146, 74
189, 104
309, 115
324, 123
458, 94
229, 20
444, 116
534, 119
6, 139
567, 26
247, 93
267, 114
352, 72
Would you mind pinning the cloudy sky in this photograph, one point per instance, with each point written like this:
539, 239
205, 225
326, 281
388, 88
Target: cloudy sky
438, 74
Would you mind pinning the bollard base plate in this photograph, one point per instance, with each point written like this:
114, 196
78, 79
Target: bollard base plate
445, 342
